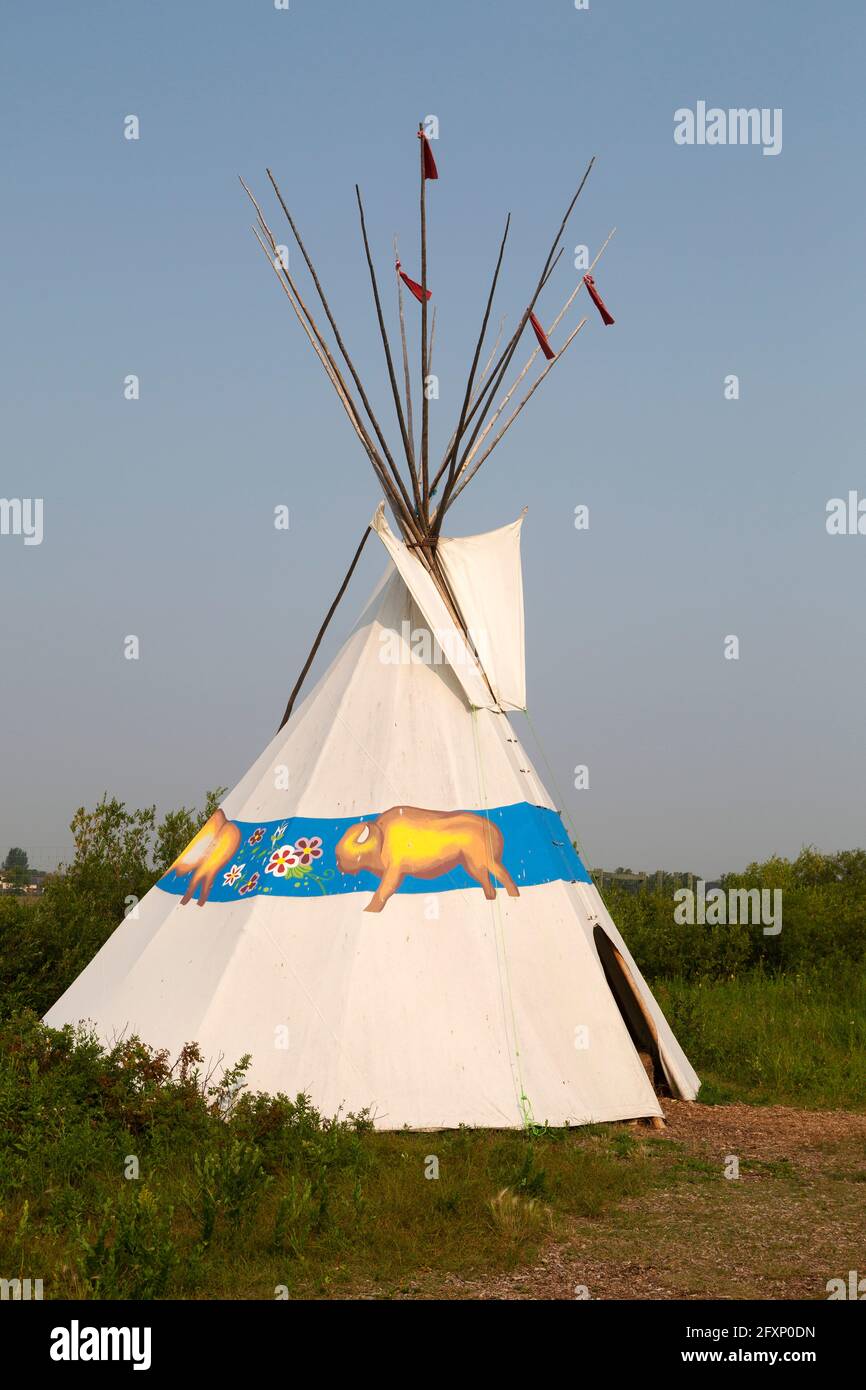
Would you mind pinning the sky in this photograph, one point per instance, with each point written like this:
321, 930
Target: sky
707, 515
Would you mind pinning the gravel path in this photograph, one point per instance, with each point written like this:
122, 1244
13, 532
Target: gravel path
795, 1218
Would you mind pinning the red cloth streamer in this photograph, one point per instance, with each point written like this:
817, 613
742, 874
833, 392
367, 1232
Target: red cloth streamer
540, 334
606, 316
412, 285
430, 170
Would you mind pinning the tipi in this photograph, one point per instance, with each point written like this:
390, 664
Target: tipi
387, 911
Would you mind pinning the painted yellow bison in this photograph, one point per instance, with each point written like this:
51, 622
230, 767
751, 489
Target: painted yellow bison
207, 853
407, 840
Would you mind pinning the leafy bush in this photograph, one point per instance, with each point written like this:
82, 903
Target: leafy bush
133, 1254
146, 1164
823, 922
119, 855
295, 1215
231, 1183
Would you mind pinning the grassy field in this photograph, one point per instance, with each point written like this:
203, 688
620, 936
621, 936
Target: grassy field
791, 1039
270, 1196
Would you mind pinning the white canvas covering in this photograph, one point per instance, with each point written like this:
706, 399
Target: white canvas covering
447, 1007
437, 619
486, 578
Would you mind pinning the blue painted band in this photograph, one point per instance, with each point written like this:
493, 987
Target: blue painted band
296, 858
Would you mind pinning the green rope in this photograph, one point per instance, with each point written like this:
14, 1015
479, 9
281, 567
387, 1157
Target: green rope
523, 1099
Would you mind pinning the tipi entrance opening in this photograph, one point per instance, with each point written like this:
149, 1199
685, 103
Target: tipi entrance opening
637, 1019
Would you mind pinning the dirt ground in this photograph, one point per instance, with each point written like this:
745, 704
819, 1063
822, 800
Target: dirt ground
794, 1218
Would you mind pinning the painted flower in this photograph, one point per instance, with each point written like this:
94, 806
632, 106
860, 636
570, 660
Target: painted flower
257, 835
234, 873
279, 832
250, 884
308, 849
281, 861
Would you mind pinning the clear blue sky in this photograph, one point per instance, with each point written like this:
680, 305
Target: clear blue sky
707, 516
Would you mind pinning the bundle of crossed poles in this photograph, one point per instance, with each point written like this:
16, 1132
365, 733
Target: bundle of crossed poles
419, 497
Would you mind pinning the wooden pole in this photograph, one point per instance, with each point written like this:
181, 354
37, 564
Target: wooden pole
408, 522
400, 507
321, 353
341, 345
322, 630
549, 265
479, 344
407, 380
510, 421
425, 404
481, 379
388, 359
410, 525
507, 397
483, 402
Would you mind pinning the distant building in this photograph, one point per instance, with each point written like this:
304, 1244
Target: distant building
657, 881
34, 887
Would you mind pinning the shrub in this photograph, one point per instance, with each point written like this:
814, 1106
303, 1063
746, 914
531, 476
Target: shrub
133, 1255
231, 1183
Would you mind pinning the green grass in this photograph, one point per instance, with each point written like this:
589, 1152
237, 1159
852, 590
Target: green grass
787, 1040
383, 1225
269, 1195
234, 1204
